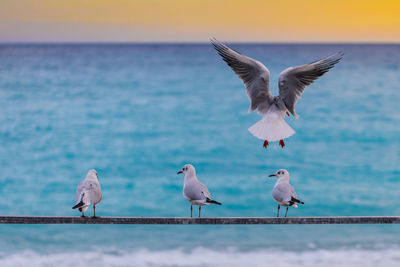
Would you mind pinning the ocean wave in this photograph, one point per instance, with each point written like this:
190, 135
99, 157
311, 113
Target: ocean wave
206, 257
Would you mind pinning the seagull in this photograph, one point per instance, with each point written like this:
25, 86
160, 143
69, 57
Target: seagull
292, 82
88, 193
194, 191
283, 193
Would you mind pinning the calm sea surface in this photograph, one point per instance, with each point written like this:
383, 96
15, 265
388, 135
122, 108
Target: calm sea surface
138, 113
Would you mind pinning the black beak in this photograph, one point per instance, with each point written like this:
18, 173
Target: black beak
272, 175
179, 172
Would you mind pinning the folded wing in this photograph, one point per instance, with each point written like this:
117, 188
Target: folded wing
89, 192
204, 190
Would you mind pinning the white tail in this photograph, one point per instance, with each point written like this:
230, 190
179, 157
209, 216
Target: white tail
272, 127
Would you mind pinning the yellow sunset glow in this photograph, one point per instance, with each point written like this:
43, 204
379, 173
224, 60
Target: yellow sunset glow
194, 21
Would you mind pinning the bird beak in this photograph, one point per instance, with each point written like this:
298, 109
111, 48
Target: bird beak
272, 175
179, 172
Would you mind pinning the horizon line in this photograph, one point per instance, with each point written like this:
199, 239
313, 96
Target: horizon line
188, 43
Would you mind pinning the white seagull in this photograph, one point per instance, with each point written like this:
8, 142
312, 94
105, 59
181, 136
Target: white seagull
292, 82
283, 193
88, 193
194, 191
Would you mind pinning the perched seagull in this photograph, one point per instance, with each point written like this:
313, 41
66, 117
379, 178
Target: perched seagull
88, 193
292, 82
194, 191
283, 193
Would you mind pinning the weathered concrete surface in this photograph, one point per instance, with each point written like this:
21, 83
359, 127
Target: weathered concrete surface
186, 220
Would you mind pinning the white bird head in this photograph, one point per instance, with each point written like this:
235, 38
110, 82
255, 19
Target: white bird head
282, 173
188, 169
92, 173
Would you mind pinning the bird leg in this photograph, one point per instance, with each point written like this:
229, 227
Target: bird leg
287, 113
94, 210
279, 206
281, 143
286, 211
191, 211
265, 143
199, 210
83, 215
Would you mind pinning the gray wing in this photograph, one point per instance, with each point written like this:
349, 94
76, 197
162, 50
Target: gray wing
253, 73
89, 191
293, 80
79, 192
282, 192
204, 190
293, 193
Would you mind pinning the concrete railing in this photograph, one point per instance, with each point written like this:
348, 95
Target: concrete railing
205, 220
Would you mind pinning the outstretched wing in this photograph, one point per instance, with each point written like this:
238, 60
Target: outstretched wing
293, 80
254, 74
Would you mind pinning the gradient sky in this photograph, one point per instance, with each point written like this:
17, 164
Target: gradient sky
197, 20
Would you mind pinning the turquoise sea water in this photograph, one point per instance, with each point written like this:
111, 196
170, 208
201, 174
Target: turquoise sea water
138, 113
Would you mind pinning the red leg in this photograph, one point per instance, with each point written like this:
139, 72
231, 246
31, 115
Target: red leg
265, 143
287, 113
281, 143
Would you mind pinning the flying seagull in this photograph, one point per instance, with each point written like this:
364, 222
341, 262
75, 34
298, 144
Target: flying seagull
194, 191
283, 193
292, 82
88, 193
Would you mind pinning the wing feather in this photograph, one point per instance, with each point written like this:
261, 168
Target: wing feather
205, 191
293, 80
293, 193
91, 190
253, 73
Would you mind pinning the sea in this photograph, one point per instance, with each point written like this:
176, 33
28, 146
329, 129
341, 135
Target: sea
138, 112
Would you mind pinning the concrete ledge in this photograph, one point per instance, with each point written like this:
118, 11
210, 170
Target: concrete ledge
205, 220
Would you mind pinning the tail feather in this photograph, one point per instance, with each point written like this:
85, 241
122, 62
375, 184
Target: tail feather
213, 201
272, 127
295, 200
80, 204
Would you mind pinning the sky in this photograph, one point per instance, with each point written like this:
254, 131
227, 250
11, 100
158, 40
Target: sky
197, 20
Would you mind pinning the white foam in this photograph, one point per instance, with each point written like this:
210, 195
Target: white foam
206, 257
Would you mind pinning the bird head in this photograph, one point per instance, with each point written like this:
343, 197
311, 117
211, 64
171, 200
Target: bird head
282, 173
187, 168
92, 173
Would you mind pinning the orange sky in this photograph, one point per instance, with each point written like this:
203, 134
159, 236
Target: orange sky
197, 20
